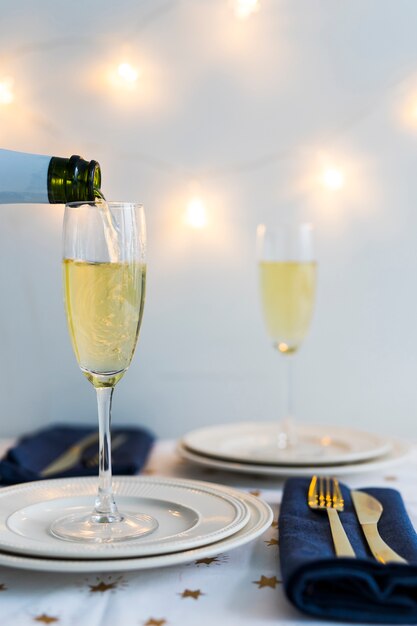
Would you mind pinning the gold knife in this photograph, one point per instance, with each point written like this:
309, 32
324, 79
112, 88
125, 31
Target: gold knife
70, 457
369, 511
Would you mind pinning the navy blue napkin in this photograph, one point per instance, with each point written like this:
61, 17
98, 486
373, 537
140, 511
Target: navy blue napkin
34, 452
357, 590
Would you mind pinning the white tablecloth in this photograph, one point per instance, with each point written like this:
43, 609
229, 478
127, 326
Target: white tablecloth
240, 587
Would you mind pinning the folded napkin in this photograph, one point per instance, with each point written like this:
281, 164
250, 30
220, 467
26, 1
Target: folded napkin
34, 452
357, 590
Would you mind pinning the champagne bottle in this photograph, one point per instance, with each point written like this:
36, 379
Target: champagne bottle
41, 179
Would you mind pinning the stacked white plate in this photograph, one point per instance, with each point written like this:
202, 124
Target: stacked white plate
253, 447
195, 520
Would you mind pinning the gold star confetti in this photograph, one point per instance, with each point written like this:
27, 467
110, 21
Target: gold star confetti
155, 622
101, 587
272, 542
148, 471
256, 493
390, 479
46, 619
207, 561
188, 593
105, 583
267, 582
214, 560
274, 523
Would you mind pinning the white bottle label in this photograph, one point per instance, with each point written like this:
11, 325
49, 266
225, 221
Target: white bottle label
23, 177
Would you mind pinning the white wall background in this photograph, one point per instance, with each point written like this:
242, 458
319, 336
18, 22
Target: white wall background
252, 110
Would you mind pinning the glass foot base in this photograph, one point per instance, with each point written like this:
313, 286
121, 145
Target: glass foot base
297, 448
300, 447
87, 530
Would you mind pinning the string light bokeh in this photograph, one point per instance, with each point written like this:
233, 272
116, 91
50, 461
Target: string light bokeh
196, 213
333, 179
125, 77
128, 73
245, 8
6, 91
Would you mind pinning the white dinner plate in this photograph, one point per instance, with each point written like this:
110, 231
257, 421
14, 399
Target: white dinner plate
190, 514
260, 519
399, 452
257, 442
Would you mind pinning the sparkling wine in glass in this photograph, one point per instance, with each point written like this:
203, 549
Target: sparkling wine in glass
287, 279
104, 273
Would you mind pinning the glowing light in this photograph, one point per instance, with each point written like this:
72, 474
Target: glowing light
407, 112
196, 214
333, 179
6, 91
326, 441
245, 8
127, 72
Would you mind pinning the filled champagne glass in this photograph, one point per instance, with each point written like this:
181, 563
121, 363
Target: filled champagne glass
104, 273
287, 280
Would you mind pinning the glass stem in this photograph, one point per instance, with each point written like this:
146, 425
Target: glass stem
105, 509
287, 436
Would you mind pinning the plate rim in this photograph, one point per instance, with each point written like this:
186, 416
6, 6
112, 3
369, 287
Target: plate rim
117, 550
249, 532
399, 447
382, 443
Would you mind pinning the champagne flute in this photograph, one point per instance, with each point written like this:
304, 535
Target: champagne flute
287, 278
104, 275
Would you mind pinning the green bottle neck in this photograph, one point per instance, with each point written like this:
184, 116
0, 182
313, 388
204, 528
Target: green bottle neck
73, 180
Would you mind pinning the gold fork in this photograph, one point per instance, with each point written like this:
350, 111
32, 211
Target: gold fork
324, 493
